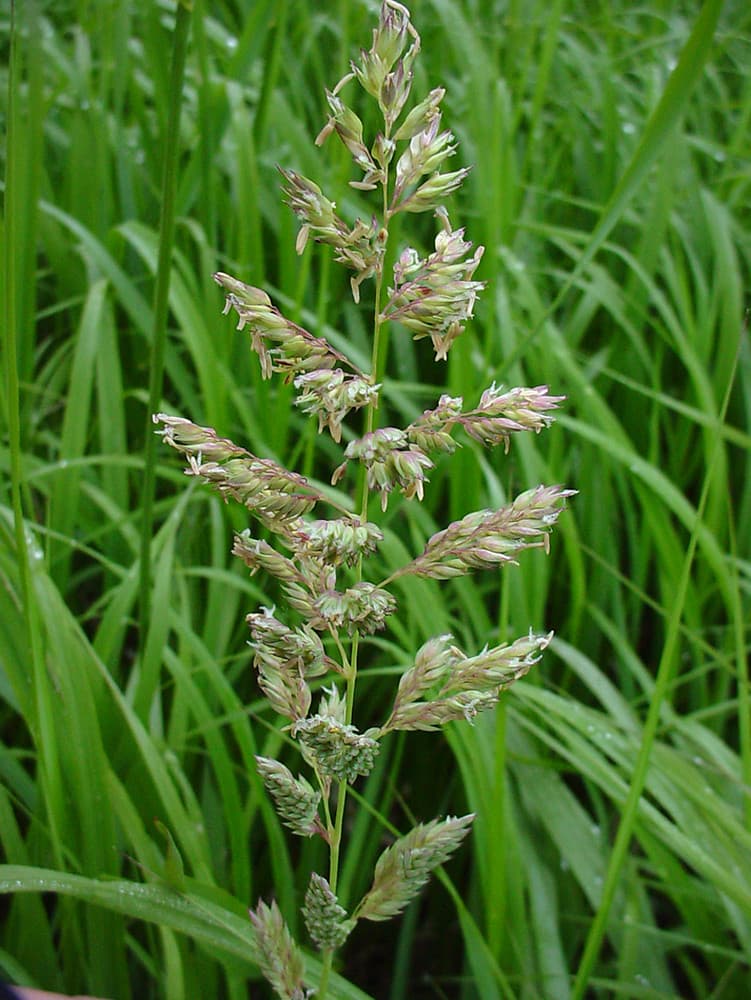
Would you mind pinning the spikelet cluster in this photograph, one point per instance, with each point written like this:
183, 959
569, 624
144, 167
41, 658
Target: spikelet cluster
309, 541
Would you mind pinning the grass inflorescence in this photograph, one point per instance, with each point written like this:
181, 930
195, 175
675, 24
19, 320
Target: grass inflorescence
609, 186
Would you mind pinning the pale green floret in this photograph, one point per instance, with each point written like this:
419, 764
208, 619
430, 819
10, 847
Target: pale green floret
342, 540
333, 705
331, 395
383, 152
349, 129
445, 685
300, 647
258, 554
404, 868
195, 441
421, 115
279, 957
337, 751
361, 608
283, 684
325, 919
426, 152
434, 192
295, 799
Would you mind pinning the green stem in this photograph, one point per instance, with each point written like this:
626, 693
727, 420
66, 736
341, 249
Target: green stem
336, 839
159, 333
323, 983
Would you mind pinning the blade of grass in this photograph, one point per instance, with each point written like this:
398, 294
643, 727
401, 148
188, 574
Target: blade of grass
20, 680
32, 689
661, 694
219, 930
658, 129
63, 509
161, 295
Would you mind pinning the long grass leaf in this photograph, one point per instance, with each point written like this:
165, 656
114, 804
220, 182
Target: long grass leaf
171, 152
665, 672
214, 928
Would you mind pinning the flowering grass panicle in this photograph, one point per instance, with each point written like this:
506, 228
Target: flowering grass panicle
329, 604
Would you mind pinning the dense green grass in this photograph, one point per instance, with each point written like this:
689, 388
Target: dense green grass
612, 182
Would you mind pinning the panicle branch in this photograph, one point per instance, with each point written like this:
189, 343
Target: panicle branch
501, 414
295, 799
275, 643
435, 296
258, 554
359, 247
445, 685
277, 497
486, 538
325, 919
281, 345
497, 416
280, 959
404, 868
284, 347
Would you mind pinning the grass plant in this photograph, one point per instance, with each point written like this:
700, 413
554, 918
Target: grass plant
611, 190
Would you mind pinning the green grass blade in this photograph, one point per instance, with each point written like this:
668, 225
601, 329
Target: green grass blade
215, 928
658, 129
161, 294
661, 694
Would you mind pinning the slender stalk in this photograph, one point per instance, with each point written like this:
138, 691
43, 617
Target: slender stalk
744, 697
336, 840
159, 334
323, 983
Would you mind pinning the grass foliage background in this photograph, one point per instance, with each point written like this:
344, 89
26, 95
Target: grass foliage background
611, 187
